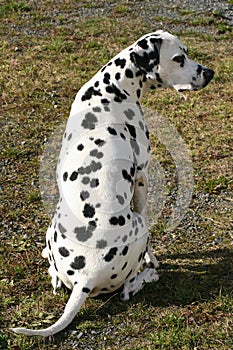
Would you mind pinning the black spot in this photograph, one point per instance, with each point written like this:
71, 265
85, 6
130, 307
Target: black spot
94, 183
128, 274
49, 244
92, 225
141, 184
104, 101
140, 257
74, 176
124, 266
80, 147
89, 93
199, 69
128, 73
111, 131
64, 252
55, 236
141, 125
132, 130
144, 62
113, 276
84, 195
158, 78
107, 78
124, 239
83, 233
70, 272
122, 136
93, 167
86, 290
113, 220
138, 93
117, 220
89, 121
110, 255
132, 170
120, 62
132, 280
103, 69
129, 113
120, 199
125, 250
65, 176
118, 76
85, 180
126, 176
126, 92
143, 44
101, 244
99, 142
96, 109
88, 211
179, 59
119, 96
106, 108
61, 228
96, 84
78, 263
95, 153
155, 40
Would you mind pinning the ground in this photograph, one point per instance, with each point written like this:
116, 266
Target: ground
48, 50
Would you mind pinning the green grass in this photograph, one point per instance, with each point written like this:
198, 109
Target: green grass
46, 54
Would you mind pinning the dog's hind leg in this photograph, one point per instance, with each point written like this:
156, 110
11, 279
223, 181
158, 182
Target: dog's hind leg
135, 284
150, 259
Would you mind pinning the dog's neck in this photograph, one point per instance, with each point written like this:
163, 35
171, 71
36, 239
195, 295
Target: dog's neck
131, 81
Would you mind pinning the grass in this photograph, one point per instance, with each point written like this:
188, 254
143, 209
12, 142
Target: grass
47, 52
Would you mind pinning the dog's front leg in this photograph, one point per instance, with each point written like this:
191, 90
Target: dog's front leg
140, 194
139, 204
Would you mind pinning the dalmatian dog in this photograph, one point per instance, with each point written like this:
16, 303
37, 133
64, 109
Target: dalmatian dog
98, 240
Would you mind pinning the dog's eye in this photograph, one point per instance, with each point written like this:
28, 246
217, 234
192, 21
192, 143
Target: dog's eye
179, 59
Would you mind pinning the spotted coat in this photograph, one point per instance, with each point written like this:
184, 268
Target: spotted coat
98, 239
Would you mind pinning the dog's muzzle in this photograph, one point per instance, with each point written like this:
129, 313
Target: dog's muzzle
208, 75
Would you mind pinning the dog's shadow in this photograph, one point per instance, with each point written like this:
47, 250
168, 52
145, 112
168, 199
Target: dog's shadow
185, 279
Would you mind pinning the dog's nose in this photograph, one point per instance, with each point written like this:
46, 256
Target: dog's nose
208, 74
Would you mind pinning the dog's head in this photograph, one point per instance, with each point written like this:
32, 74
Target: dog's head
163, 60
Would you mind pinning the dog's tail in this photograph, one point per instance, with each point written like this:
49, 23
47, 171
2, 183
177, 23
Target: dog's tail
76, 300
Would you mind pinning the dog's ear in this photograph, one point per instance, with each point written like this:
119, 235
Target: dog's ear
145, 56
